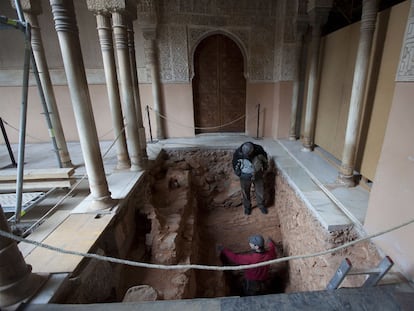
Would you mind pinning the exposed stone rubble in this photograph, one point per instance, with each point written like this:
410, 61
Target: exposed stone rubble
303, 234
194, 204
186, 205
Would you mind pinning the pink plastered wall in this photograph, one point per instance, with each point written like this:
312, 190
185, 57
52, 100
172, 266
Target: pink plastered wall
392, 195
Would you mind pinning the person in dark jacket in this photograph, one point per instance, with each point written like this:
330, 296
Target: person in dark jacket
249, 163
254, 278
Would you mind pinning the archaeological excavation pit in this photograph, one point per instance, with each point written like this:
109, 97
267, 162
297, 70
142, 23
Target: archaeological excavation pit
193, 203
187, 204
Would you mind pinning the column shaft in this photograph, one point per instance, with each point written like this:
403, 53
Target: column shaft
369, 14
39, 55
135, 84
156, 89
296, 82
124, 65
106, 41
313, 88
65, 24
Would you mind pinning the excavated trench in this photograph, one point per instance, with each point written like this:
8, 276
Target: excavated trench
192, 203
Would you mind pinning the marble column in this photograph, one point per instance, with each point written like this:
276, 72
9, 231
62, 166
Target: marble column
104, 27
150, 35
31, 9
368, 21
127, 91
318, 12
301, 27
17, 282
66, 28
135, 85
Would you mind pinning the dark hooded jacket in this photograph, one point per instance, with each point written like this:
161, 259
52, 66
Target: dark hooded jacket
258, 158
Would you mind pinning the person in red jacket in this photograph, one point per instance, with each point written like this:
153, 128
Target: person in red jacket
254, 278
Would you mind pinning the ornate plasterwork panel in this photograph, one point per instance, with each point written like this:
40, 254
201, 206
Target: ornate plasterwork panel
289, 60
256, 27
406, 67
173, 53
261, 55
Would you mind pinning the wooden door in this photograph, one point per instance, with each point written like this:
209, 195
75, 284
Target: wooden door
219, 86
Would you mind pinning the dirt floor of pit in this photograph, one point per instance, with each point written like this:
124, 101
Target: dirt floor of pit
219, 219
228, 227
231, 228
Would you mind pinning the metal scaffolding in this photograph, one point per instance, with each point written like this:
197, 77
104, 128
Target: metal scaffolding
29, 59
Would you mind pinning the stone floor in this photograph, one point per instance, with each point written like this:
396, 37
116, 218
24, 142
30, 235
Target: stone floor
389, 298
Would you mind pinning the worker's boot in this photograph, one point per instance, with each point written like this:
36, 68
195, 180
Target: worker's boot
263, 209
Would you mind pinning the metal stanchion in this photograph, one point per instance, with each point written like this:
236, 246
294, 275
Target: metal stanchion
6, 139
258, 121
149, 123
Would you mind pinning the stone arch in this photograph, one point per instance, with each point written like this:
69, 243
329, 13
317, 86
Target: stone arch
219, 85
196, 36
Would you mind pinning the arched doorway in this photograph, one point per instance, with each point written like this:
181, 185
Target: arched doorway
219, 86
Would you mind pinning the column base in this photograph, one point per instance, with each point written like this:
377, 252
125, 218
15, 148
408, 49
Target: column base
67, 164
307, 145
22, 290
306, 149
135, 168
123, 165
346, 180
102, 205
293, 138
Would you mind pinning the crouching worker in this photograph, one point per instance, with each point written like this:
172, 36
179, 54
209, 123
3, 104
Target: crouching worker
254, 282
250, 163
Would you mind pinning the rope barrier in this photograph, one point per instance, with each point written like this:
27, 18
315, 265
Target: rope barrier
196, 127
17, 130
73, 188
197, 266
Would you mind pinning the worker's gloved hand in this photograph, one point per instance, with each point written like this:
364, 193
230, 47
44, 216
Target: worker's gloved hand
237, 168
269, 240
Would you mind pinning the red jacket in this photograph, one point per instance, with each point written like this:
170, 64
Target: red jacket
253, 274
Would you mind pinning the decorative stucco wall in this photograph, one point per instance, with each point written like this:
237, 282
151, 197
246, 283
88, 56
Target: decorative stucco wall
263, 30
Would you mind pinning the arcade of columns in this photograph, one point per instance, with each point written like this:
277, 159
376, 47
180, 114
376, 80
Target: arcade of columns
114, 21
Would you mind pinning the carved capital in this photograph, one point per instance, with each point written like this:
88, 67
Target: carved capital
64, 16
147, 12
318, 11
369, 15
120, 30
319, 5
302, 24
105, 32
106, 6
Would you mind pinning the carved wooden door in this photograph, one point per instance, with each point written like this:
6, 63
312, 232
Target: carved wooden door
219, 86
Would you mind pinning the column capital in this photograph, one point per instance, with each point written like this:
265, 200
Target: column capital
318, 11
369, 15
319, 4
29, 6
108, 6
302, 24
147, 12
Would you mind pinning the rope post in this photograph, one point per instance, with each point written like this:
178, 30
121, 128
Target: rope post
258, 121
149, 123
6, 139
